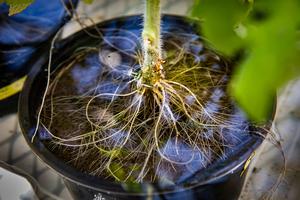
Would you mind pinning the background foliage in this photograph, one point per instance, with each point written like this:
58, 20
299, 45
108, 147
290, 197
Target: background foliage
264, 30
267, 32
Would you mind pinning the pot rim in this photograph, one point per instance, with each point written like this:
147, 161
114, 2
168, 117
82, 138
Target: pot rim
205, 176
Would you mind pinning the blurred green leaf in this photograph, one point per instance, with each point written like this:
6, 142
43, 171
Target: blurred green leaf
14, 9
88, 1
17, 6
118, 171
221, 18
273, 59
133, 187
268, 34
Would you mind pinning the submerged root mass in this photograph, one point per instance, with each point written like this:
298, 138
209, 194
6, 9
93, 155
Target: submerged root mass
101, 119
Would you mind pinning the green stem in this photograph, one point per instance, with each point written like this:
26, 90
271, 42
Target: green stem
151, 70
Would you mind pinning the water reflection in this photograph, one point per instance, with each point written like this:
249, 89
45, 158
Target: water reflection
186, 160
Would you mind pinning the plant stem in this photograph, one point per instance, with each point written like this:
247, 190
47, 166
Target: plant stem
152, 69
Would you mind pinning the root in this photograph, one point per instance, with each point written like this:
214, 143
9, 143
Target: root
117, 126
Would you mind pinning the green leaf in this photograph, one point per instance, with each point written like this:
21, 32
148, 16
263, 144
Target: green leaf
117, 170
14, 9
17, 6
268, 34
273, 59
88, 1
221, 18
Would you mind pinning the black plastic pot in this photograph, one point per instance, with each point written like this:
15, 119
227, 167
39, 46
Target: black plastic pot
220, 180
22, 37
